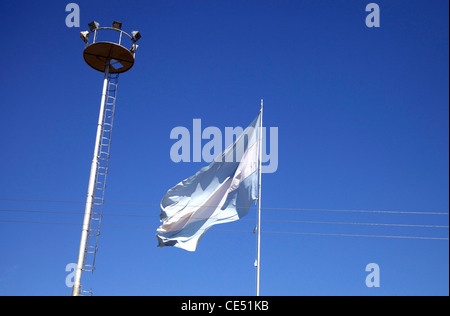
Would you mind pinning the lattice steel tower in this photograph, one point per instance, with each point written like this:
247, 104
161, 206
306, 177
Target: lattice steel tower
110, 51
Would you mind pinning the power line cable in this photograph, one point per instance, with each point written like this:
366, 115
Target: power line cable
263, 208
241, 231
243, 219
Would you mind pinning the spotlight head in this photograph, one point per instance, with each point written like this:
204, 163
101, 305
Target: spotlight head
134, 48
84, 36
136, 35
93, 25
117, 25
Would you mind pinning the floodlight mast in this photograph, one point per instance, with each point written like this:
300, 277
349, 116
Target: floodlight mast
111, 59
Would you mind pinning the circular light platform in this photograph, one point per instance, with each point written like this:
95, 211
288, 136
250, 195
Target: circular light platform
98, 54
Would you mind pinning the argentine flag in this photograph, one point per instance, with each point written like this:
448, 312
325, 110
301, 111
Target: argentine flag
219, 193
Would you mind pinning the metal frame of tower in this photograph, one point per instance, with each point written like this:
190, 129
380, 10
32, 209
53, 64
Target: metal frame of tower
112, 59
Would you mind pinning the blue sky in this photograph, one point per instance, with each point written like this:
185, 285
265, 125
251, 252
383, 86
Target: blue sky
363, 119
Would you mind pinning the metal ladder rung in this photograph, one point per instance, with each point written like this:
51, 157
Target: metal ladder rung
94, 250
88, 267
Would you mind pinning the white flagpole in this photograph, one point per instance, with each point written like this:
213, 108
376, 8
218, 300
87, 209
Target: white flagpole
258, 253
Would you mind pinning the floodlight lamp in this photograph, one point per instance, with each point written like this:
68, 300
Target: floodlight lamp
134, 48
117, 25
84, 36
136, 35
93, 25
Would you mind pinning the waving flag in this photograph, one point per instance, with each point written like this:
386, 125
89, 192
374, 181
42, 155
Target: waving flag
219, 193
